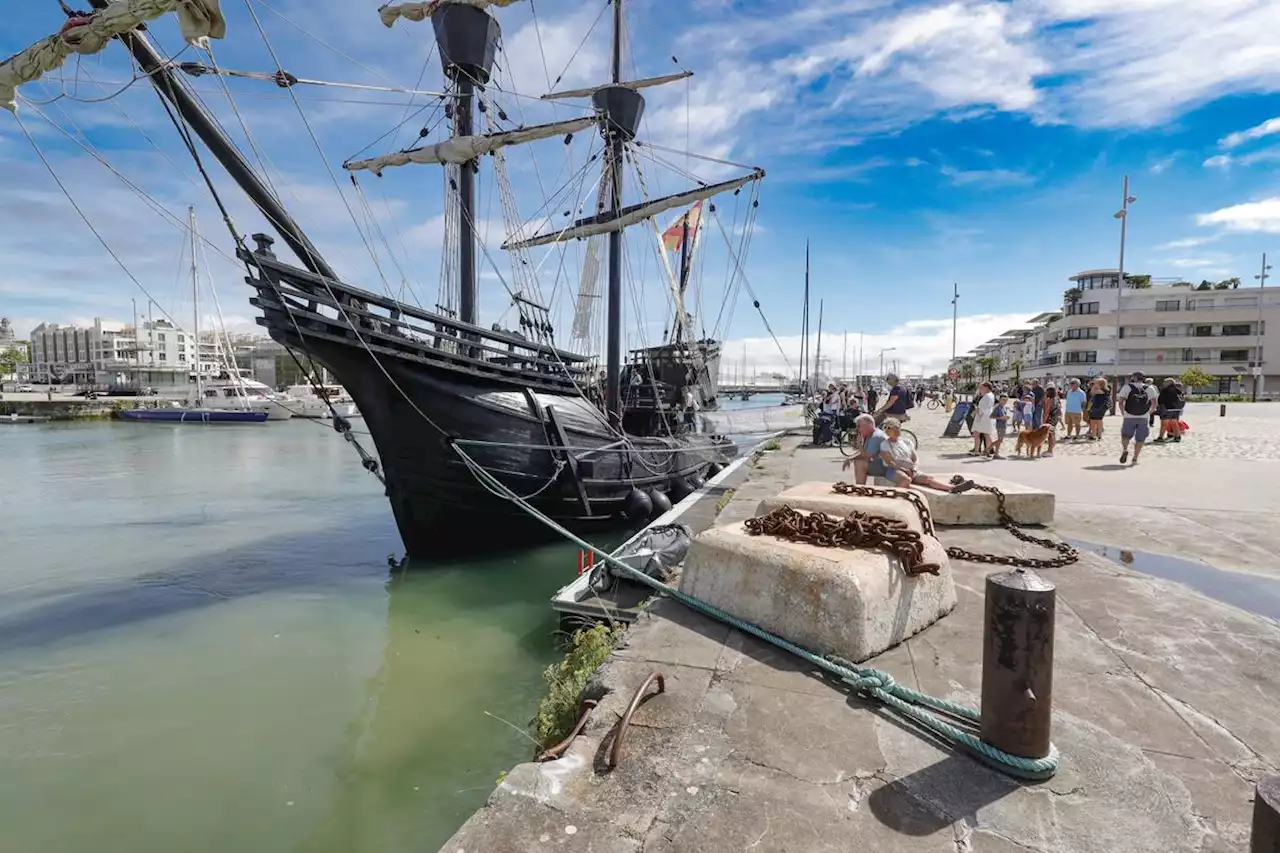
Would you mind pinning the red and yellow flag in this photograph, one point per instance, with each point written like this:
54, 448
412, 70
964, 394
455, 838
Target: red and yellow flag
672, 237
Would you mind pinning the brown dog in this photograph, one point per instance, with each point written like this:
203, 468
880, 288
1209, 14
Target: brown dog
1033, 440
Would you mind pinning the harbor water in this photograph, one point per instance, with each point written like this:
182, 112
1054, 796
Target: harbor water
203, 648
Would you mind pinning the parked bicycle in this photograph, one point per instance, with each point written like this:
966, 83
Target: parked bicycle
847, 439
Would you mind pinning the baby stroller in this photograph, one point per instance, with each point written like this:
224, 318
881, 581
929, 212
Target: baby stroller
823, 428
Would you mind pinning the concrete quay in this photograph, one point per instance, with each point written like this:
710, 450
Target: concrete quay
1164, 707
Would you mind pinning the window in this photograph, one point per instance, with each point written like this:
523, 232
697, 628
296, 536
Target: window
1234, 355
1202, 331
1084, 308
1168, 305
1224, 385
1081, 358
1133, 331
1229, 330
1240, 301
162, 356
160, 337
181, 338
1082, 334
182, 356
1187, 355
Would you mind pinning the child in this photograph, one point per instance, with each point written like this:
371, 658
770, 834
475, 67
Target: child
1016, 413
1001, 415
899, 459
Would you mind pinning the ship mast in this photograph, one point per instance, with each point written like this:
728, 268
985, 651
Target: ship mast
613, 366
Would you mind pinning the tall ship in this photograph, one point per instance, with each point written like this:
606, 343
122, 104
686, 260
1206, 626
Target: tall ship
587, 435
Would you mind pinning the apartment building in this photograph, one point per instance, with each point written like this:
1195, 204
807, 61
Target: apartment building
1162, 329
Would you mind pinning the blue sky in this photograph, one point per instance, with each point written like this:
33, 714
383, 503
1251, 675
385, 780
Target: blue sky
914, 143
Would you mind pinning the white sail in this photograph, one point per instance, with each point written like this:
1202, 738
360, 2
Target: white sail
393, 12
464, 149
607, 222
200, 20
589, 281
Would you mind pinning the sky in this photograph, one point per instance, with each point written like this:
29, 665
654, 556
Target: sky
913, 145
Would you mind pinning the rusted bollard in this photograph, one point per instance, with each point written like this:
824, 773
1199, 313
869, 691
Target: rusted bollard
1265, 837
1222, 410
1017, 663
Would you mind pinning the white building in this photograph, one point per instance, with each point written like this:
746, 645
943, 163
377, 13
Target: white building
1161, 329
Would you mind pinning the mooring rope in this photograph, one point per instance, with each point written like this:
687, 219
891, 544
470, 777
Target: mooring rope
867, 682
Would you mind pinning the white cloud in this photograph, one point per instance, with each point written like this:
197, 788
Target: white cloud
1218, 161
918, 346
987, 177
1254, 216
1234, 140
1163, 164
1187, 242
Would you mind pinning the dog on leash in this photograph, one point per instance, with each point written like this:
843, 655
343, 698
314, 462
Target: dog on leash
1033, 440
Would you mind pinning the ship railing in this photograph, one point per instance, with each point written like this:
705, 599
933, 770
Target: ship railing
305, 296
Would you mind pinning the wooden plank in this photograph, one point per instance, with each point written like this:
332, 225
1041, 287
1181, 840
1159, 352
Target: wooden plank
571, 461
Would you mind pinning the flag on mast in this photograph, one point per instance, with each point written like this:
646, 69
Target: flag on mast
674, 236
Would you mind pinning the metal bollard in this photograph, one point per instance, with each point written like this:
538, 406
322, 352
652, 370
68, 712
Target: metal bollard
1222, 410
1265, 837
1017, 663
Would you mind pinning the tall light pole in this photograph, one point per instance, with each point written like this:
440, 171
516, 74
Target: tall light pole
861, 363
955, 301
1123, 215
844, 365
882, 352
1257, 332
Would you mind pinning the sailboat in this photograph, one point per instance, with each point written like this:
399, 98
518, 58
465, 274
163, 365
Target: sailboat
195, 411
439, 392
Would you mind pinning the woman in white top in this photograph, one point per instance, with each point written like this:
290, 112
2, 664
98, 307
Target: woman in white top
984, 425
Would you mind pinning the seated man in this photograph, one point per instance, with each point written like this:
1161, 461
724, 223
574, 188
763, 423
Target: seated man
867, 462
899, 459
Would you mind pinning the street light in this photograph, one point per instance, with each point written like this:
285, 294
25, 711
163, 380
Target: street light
882, 352
1257, 331
1123, 215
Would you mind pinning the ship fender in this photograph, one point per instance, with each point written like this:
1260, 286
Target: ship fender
713, 469
637, 505
679, 489
696, 482
660, 502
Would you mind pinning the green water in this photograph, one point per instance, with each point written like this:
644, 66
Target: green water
202, 648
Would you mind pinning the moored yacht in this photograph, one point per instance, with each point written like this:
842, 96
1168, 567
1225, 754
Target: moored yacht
305, 401
232, 391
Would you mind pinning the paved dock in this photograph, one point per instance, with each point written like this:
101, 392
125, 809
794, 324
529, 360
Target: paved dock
1164, 697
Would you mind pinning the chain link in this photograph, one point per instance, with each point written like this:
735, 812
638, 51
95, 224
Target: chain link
856, 530
1066, 553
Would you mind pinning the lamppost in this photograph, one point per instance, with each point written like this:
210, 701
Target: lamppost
955, 301
1257, 331
1123, 215
882, 352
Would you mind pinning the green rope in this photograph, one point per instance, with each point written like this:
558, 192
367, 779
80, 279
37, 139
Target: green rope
866, 682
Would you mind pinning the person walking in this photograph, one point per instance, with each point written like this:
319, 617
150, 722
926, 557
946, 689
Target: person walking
1000, 414
1137, 401
1037, 411
1051, 414
1099, 402
1170, 403
1074, 406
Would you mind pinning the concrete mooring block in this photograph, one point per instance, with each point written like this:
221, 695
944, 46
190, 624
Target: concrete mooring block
851, 602
975, 508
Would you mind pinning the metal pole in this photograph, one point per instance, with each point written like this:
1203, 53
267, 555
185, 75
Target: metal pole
195, 300
844, 362
804, 328
817, 361
861, 363
1257, 332
137, 338
955, 301
613, 375
1123, 216
1017, 663
1265, 835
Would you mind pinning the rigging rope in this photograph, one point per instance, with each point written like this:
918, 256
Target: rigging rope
868, 682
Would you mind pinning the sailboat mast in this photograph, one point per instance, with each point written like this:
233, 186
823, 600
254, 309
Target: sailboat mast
804, 326
463, 114
817, 362
613, 364
684, 278
195, 300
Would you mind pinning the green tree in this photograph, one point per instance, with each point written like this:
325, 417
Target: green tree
12, 356
1138, 281
1204, 284
1016, 367
1071, 296
1228, 283
1194, 377
988, 364
967, 373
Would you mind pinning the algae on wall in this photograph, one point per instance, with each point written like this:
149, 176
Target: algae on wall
566, 680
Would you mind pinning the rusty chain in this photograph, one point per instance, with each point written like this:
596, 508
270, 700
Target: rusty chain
1066, 553
856, 530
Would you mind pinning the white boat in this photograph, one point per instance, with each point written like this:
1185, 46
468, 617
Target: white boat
306, 401
230, 391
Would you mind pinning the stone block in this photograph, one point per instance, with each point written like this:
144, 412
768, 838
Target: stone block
816, 496
1025, 504
851, 602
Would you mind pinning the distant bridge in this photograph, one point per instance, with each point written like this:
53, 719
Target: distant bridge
752, 390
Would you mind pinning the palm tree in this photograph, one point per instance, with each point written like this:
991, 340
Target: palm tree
1071, 296
967, 372
988, 363
1016, 367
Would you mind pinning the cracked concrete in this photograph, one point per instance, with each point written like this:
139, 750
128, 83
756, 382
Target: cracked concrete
1164, 713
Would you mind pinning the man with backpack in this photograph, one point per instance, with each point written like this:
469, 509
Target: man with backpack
1136, 401
900, 400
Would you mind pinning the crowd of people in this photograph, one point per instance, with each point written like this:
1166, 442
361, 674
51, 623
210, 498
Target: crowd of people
840, 405
1043, 409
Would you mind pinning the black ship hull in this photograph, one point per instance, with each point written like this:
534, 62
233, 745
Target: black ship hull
426, 392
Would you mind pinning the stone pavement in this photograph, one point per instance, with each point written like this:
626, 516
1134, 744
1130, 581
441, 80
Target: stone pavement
1164, 713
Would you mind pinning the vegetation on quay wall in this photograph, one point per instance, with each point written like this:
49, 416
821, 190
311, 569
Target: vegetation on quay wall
566, 680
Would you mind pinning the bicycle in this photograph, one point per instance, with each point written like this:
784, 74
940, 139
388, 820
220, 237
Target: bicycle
933, 404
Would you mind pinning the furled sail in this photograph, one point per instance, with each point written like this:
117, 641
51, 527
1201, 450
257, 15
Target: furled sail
607, 222
589, 282
393, 12
464, 149
87, 34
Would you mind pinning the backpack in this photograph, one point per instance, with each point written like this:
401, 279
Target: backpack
911, 401
1136, 402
